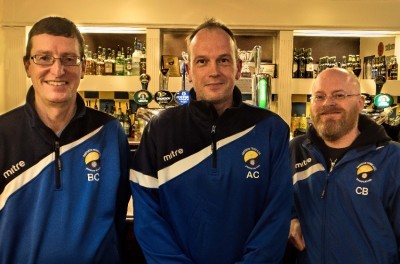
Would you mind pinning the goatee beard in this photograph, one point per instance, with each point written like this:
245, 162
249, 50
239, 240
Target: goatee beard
331, 129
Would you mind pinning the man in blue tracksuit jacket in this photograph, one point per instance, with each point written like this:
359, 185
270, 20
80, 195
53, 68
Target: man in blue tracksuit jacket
347, 189
64, 170
212, 184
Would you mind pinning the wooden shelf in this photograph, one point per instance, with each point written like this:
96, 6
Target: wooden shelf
110, 83
303, 86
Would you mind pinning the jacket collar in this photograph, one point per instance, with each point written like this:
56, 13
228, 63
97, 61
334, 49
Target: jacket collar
370, 134
205, 110
34, 119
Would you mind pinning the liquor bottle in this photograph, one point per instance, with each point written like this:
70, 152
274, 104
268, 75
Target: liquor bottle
309, 65
295, 64
350, 62
100, 62
86, 51
120, 115
302, 64
119, 63
382, 66
394, 70
303, 123
127, 122
368, 70
322, 64
137, 54
90, 66
143, 60
95, 105
294, 123
343, 65
357, 66
128, 62
109, 64
373, 68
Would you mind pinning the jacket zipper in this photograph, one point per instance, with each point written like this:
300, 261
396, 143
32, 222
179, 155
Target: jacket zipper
333, 163
58, 164
214, 146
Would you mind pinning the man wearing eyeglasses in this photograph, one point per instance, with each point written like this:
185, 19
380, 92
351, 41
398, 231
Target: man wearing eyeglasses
346, 180
64, 168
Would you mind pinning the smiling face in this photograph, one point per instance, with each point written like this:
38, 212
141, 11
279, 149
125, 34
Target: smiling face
55, 84
213, 67
335, 119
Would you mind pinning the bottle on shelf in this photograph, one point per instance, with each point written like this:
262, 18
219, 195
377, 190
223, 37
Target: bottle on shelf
295, 64
309, 65
143, 60
106, 110
294, 124
302, 64
303, 123
109, 64
350, 63
382, 66
90, 66
120, 115
368, 69
137, 54
330, 63
127, 122
343, 65
86, 50
128, 63
95, 105
357, 66
100, 61
394, 69
119, 63
374, 68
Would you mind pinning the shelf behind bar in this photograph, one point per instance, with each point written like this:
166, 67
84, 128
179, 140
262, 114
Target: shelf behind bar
298, 86
303, 86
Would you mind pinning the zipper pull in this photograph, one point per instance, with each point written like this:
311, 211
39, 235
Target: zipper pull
213, 128
333, 163
58, 164
323, 192
57, 152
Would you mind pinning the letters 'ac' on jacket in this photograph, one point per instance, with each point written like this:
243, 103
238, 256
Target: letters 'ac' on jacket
209, 189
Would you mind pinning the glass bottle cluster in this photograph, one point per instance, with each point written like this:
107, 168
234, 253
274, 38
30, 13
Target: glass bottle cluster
116, 62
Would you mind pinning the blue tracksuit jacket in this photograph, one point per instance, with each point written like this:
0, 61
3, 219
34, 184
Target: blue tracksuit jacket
211, 189
62, 199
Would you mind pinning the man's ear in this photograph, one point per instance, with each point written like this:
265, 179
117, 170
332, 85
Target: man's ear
26, 66
239, 69
83, 66
188, 71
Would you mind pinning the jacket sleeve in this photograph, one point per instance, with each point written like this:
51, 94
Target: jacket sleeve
124, 192
392, 196
152, 231
267, 241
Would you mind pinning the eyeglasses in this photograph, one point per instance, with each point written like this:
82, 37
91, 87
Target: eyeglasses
320, 98
48, 60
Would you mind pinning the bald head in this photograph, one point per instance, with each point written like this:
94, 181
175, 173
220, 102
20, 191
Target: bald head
336, 77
